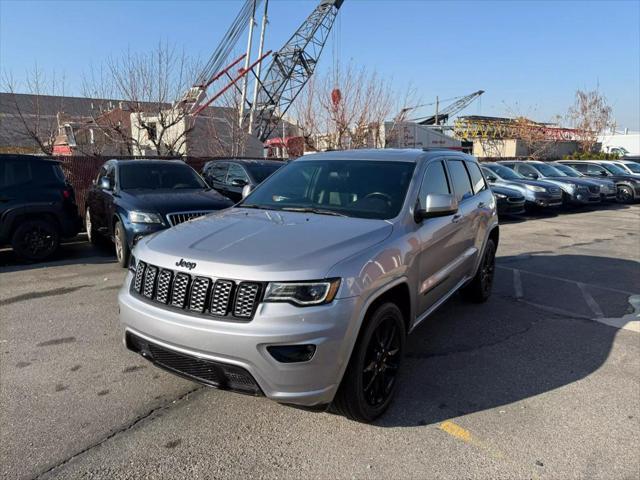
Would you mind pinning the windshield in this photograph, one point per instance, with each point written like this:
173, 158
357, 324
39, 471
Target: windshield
634, 167
505, 172
260, 172
568, 171
355, 188
156, 176
548, 170
611, 168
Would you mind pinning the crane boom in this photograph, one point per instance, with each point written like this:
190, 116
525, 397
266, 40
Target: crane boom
292, 66
450, 110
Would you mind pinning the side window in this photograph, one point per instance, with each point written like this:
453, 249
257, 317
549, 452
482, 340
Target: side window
101, 173
489, 175
218, 172
111, 174
16, 172
460, 179
527, 170
236, 172
434, 181
595, 169
477, 180
581, 167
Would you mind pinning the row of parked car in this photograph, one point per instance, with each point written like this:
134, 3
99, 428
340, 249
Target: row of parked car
130, 199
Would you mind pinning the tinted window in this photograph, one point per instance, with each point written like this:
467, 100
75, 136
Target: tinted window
568, 171
218, 171
460, 179
527, 170
634, 167
549, 170
595, 169
477, 181
236, 172
581, 167
614, 169
15, 172
153, 176
357, 188
260, 172
504, 172
434, 181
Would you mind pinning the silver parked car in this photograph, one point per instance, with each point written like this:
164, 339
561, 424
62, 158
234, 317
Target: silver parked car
305, 291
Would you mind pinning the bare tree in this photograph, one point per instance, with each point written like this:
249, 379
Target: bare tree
591, 115
344, 109
34, 116
150, 87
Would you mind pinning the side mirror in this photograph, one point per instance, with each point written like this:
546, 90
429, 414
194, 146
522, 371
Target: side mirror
105, 183
604, 174
491, 179
437, 205
532, 175
238, 182
246, 190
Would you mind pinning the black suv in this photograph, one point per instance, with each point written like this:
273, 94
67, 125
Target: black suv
628, 185
37, 206
133, 198
230, 176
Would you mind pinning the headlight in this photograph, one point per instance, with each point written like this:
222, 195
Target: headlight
132, 264
144, 217
500, 196
535, 188
569, 188
302, 293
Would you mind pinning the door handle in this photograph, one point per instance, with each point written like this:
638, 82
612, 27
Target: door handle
456, 218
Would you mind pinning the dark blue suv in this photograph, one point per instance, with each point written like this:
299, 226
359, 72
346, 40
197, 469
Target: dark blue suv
133, 198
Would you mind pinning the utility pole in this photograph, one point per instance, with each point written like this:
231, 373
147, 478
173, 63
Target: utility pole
256, 86
247, 62
437, 106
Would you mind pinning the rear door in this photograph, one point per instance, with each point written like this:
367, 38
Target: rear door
440, 241
218, 175
15, 182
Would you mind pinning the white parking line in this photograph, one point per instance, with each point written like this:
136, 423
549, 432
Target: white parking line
593, 305
517, 284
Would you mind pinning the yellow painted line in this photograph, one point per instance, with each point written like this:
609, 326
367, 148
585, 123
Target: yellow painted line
456, 431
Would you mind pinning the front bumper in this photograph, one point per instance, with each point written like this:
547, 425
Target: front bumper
539, 199
244, 344
510, 208
582, 197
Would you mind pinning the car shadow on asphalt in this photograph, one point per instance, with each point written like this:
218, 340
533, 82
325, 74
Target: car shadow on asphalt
76, 251
468, 358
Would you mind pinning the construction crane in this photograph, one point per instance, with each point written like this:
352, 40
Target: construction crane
214, 68
442, 116
290, 69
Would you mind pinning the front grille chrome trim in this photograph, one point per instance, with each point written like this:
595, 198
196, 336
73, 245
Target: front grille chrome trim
217, 298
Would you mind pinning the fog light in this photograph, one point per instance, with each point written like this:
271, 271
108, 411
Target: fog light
292, 353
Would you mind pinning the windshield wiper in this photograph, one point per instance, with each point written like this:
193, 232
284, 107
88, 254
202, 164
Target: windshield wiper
252, 205
318, 211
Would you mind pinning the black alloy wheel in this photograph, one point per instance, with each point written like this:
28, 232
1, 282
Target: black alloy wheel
35, 239
382, 362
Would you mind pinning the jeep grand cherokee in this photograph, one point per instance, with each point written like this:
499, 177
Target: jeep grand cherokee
305, 291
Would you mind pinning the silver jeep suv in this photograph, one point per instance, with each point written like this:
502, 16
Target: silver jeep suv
305, 291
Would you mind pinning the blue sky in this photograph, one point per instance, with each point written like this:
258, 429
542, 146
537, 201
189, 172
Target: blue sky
529, 56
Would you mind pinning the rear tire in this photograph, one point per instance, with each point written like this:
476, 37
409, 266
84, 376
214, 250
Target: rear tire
479, 289
122, 247
35, 240
369, 382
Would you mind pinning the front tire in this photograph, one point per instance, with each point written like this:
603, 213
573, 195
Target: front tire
35, 240
625, 194
370, 380
479, 289
92, 234
122, 247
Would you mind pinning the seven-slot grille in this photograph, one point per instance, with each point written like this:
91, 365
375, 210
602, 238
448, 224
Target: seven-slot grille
180, 217
220, 298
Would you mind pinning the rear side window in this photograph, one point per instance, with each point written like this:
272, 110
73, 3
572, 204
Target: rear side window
477, 181
595, 169
460, 179
236, 172
15, 172
434, 181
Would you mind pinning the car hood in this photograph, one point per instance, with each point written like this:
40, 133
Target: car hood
262, 245
170, 201
524, 181
563, 181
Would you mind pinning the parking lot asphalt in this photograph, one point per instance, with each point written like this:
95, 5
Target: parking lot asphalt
542, 381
